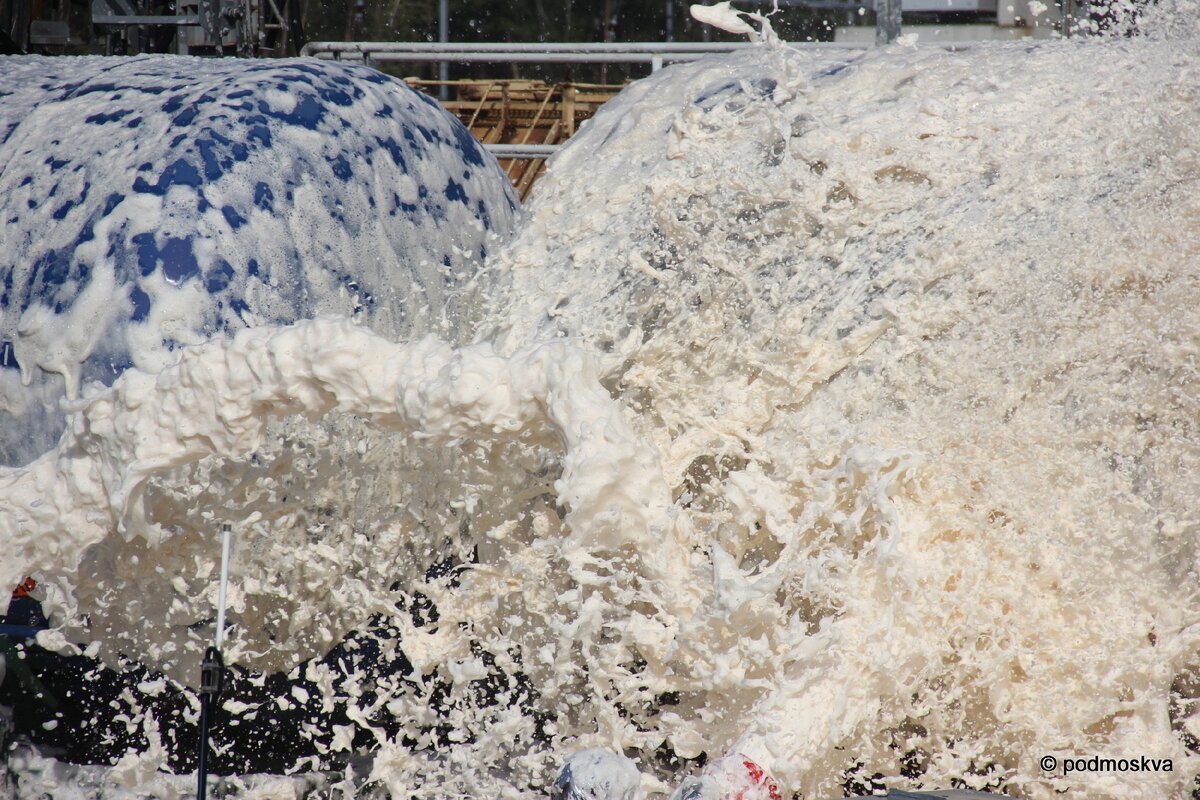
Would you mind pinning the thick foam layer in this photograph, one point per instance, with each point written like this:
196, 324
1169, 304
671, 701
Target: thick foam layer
896, 486
150, 203
913, 331
218, 400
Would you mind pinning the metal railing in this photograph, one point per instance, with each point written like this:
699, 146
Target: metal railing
656, 54
523, 151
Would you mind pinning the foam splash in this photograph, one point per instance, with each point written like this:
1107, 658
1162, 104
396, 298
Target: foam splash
903, 449
724, 17
911, 330
219, 398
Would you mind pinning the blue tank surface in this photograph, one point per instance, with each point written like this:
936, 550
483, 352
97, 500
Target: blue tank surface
151, 203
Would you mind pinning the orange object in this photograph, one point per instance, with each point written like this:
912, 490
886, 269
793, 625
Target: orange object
25, 587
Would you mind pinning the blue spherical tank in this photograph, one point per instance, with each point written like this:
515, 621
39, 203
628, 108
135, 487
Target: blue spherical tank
151, 203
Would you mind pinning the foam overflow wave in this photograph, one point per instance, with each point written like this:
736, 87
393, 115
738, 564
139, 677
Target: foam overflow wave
914, 332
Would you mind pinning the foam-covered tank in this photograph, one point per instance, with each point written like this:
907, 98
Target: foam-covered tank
151, 203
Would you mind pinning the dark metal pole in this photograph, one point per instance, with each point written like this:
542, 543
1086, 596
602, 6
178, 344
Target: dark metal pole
202, 768
212, 668
887, 21
212, 681
444, 37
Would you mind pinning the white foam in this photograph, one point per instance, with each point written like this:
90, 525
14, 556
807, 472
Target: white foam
724, 17
888, 465
219, 398
909, 329
155, 202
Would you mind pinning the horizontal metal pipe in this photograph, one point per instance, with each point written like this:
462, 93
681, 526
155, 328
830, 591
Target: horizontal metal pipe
132, 19
550, 52
523, 151
521, 58
535, 47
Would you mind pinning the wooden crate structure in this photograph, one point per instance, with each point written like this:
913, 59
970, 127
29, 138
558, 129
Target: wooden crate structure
513, 111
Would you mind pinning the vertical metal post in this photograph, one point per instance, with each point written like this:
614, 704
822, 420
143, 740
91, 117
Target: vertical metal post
212, 683
444, 37
226, 533
887, 21
202, 764
22, 26
212, 671
670, 27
